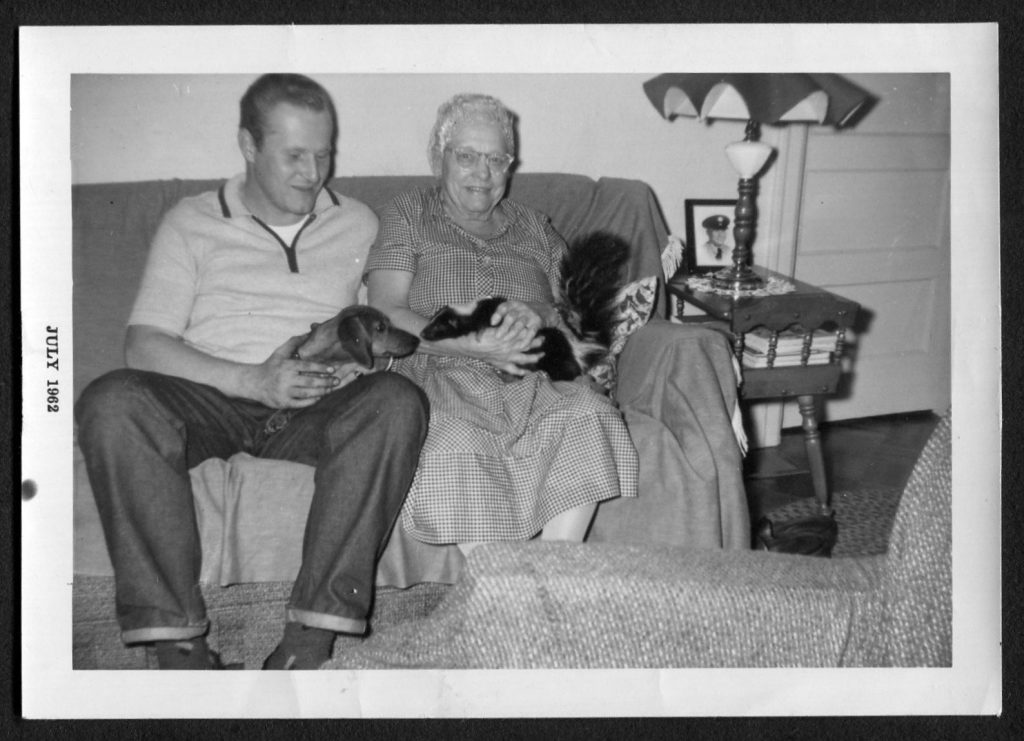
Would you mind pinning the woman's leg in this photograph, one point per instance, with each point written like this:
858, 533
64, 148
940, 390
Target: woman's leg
570, 525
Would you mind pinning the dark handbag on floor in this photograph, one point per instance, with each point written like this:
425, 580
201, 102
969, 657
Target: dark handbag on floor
814, 535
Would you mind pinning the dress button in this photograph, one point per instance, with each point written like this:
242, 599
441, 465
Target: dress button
485, 261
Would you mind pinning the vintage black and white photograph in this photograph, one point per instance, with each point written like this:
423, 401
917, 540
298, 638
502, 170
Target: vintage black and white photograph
366, 366
709, 234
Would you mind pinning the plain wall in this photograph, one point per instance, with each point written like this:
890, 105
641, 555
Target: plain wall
148, 127
160, 126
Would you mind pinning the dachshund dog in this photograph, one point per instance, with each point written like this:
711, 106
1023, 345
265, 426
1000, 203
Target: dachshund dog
592, 277
356, 334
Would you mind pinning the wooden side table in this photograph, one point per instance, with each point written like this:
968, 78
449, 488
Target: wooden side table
805, 309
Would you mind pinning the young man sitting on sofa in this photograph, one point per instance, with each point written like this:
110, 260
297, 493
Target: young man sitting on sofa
231, 276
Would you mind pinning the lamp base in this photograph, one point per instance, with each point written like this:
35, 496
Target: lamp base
736, 278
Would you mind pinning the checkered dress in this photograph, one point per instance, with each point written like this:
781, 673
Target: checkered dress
501, 458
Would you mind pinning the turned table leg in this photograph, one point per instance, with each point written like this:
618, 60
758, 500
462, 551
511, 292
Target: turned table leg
812, 438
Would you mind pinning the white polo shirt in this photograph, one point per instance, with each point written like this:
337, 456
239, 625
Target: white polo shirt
222, 280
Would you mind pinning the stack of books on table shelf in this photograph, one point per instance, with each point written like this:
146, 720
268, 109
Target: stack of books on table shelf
788, 348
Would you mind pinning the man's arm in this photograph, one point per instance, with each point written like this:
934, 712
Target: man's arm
279, 382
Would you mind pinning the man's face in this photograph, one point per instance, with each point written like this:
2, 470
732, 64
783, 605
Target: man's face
718, 236
284, 176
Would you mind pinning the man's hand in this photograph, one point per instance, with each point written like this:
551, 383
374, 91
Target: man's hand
285, 382
281, 381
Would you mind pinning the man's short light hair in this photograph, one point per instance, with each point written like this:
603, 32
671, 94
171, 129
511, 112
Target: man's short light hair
270, 89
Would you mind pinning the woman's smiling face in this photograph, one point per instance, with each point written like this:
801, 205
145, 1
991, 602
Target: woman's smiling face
472, 193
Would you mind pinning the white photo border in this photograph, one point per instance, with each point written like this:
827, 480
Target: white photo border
49, 55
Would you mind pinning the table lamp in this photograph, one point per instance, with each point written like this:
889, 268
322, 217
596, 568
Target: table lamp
757, 98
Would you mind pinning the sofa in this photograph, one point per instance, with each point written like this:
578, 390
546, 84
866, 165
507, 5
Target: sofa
675, 385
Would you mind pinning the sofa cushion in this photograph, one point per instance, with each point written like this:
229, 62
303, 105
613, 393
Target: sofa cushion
251, 514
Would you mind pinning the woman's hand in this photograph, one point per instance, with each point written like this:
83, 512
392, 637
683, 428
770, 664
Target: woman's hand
282, 381
506, 348
513, 336
512, 316
508, 343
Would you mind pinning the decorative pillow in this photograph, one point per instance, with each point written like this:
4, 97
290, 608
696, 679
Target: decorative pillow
636, 303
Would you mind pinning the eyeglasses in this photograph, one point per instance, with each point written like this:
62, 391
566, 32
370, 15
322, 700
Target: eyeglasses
467, 158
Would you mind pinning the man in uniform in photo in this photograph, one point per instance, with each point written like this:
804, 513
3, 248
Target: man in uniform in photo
716, 249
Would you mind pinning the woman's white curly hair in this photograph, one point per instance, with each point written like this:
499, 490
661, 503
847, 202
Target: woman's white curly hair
463, 108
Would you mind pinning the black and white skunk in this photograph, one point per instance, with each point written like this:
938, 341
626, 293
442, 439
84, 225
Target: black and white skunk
593, 274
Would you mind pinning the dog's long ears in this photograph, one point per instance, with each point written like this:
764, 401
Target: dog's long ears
356, 340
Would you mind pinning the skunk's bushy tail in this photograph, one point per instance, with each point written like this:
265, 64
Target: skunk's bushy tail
593, 273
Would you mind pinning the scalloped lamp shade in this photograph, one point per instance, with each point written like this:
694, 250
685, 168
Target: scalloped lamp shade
767, 98
757, 98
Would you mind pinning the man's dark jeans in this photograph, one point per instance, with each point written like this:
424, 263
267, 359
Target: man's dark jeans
141, 432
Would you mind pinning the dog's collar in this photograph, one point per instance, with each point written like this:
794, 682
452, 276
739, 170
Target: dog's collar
391, 361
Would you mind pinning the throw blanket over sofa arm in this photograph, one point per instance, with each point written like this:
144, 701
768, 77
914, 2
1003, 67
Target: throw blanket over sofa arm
677, 390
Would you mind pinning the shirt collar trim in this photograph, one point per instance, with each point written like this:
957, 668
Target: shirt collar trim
230, 197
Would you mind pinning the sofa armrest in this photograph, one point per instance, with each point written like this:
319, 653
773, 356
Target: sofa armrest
562, 605
677, 391
662, 341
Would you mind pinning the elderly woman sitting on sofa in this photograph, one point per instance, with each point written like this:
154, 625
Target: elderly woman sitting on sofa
504, 459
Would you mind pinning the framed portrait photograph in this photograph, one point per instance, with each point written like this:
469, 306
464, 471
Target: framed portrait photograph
709, 238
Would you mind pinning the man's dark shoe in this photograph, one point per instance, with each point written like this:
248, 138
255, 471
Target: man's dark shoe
191, 654
301, 648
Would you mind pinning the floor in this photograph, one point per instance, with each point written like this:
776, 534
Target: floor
871, 451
